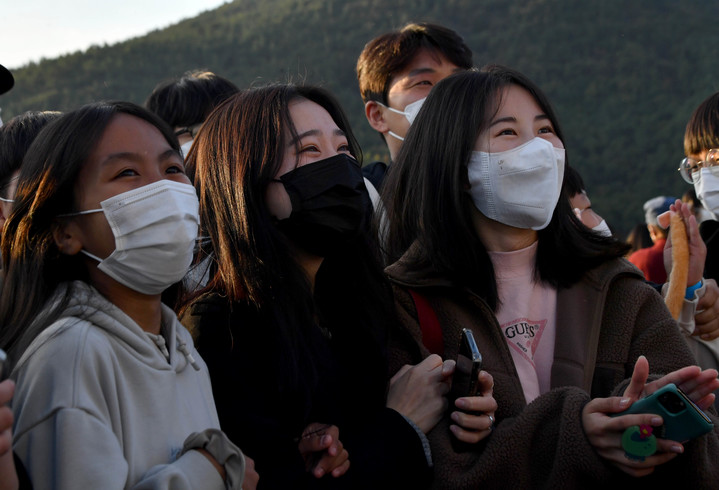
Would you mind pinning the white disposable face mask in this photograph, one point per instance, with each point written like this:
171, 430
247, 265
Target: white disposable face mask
707, 189
155, 228
185, 149
603, 229
410, 112
518, 187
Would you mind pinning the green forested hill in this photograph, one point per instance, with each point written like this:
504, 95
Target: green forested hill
624, 75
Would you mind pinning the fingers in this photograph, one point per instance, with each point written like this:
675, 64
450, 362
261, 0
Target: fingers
335, 465
448, 367
706, 402
7, 388
707, 316
700, 386
402, 371
484, 429
251, 475
639, 378
6, 419
486, 383
430, 363
475, 421
681, 377
342, 469
323, 451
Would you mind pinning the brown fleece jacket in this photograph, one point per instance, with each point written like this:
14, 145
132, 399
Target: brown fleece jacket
604, 322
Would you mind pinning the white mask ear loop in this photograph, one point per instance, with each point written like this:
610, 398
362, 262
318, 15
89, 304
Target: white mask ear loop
392, 109
395, 135
78, 213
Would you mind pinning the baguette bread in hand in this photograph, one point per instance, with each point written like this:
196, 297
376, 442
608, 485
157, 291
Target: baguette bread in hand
680, 265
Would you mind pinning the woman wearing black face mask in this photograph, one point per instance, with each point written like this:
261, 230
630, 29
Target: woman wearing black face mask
292, 321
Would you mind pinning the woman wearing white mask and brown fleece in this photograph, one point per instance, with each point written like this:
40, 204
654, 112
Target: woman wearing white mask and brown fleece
483, 238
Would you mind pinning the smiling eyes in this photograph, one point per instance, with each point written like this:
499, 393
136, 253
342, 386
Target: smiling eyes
172, 168
342, 148
512, 132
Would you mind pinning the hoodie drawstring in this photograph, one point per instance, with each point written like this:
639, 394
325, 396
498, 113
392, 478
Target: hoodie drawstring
182, 347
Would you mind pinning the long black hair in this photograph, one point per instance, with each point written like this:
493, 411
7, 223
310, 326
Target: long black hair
426, 194
33, 267
235, 156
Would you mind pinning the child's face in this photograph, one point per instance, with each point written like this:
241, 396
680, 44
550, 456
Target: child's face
131, 153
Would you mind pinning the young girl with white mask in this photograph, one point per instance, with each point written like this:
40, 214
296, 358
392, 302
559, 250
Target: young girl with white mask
110, 390
482, 236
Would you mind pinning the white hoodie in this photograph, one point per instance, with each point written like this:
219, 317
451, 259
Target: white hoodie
99, 406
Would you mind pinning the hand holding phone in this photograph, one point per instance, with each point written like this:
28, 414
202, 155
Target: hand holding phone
683, 419
465, 380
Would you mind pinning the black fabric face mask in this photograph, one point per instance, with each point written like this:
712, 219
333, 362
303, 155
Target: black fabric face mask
330, 205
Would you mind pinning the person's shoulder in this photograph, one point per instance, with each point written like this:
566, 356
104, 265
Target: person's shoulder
63, 339
611, 269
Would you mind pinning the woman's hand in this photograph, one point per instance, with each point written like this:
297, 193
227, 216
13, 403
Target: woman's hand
605, 433
706, 319
473, 427
697, 248
323, 451
417, 392
251, 475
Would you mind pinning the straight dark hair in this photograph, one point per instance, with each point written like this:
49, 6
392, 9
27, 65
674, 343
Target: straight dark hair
33, 267
427, 201
187, 101
16, 136
237, 153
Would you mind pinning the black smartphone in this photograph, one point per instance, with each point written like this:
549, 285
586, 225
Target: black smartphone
469, 363
683, 419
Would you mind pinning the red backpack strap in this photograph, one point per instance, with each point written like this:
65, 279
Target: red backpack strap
428, 323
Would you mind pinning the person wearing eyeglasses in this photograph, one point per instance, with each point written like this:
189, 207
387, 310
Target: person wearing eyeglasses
701, 169
186, 102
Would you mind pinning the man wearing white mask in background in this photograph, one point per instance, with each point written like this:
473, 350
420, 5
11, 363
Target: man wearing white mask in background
396, 71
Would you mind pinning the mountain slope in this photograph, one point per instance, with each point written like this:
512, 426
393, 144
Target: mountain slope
624, 76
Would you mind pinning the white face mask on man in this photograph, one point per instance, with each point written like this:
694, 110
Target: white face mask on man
155, 228
706, 185
518, 187
410, 112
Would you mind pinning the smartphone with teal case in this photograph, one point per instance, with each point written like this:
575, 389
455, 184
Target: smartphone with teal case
683, 420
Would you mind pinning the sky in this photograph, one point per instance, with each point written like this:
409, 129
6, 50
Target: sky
34, 29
